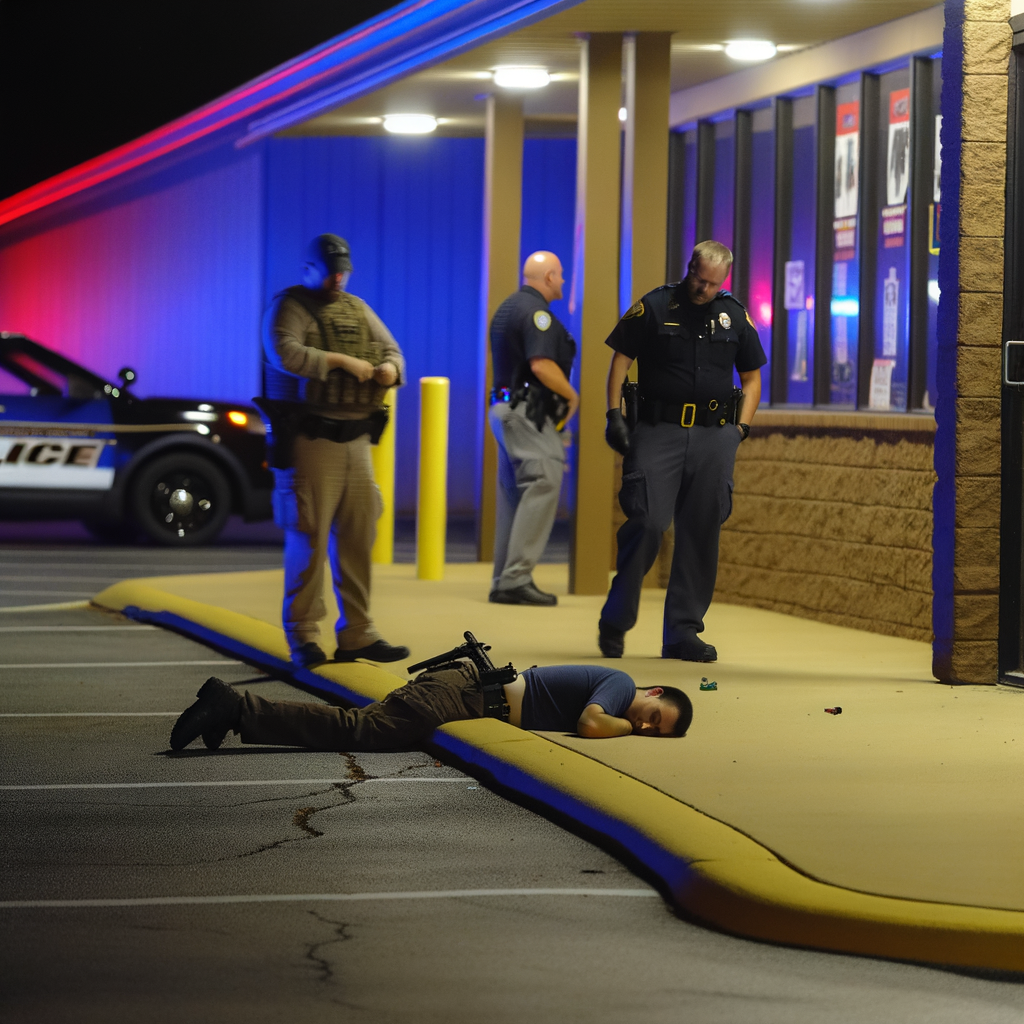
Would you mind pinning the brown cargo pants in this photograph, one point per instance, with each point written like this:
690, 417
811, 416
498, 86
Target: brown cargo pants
403, 720
328, 505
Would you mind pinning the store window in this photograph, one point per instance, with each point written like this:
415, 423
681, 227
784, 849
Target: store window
798, 291
724, 186
762, 233
845, 300
689, 195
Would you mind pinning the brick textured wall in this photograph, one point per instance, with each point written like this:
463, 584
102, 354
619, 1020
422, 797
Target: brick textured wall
832, 520
986, 49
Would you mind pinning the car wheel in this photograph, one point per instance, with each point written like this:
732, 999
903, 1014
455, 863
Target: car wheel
181, 500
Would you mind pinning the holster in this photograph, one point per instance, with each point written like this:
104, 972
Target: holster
286, 420
541, 404
631, 401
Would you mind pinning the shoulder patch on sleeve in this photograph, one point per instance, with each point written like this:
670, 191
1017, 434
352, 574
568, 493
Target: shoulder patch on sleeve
542, 319
637, 309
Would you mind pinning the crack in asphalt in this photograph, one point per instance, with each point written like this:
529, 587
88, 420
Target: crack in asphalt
301, 819
355, 770
322, 965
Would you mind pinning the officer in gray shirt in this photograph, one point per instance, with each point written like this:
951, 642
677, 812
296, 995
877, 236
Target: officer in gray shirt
532, 400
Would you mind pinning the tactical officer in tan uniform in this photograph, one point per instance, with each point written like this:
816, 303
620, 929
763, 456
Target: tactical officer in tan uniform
331, 362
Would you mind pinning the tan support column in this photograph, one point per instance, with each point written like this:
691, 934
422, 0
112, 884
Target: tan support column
503, 208
649, 201
597, 225
647, 58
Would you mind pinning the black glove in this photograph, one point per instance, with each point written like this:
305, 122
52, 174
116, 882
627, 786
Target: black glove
616, 433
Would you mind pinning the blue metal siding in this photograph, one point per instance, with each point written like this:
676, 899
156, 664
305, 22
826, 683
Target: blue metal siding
165, 277
411, 210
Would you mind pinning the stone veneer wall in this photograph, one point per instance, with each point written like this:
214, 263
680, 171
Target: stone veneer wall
976, 53
832, 520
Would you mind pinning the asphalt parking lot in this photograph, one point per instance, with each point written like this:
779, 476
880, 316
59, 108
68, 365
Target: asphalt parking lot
270, 885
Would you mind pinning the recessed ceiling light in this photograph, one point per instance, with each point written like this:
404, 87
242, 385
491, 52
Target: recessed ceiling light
750, 49
521, 78
410, 124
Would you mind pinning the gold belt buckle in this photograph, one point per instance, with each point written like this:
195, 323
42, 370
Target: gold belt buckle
691, 408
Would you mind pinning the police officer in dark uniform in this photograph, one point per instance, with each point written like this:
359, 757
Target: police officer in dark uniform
532, 356
679, 457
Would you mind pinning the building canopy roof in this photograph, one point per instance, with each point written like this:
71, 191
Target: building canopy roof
438, 56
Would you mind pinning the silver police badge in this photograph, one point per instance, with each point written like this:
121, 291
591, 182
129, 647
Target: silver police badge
542, 320
725, 320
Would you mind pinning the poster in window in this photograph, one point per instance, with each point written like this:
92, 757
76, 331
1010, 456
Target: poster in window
880, 396
847, 167
898, 158
937, 165
794, 297
890, 313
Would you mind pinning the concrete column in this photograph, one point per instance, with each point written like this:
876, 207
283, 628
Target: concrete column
646, 68
968, 443
597, 270
647, 130
503, 208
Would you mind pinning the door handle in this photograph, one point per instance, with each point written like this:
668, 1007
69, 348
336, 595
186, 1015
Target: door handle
1014, 349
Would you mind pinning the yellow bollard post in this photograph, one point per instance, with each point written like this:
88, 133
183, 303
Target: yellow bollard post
432, 500
383, 455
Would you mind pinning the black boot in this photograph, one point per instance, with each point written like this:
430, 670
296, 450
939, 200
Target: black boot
612, 641
217, 710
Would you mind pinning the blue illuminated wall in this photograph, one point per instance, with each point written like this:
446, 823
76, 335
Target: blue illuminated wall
164, 274
411, 209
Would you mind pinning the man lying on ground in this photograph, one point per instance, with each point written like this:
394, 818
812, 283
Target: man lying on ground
590, 700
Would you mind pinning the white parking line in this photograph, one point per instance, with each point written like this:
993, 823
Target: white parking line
321, 897
113, 664
60, 606
241, 782
68, 629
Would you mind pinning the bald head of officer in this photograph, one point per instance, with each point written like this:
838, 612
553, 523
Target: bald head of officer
543, 271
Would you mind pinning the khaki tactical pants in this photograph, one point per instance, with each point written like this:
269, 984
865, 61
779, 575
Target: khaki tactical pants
328, 505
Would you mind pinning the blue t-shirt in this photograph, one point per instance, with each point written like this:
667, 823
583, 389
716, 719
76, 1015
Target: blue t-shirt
556, 695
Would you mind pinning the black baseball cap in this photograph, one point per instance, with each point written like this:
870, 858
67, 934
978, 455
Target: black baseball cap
331, 254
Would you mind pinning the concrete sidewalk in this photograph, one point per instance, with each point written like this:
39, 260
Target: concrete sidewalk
907, 807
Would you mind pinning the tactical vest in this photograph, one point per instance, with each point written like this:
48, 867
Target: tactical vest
341, 327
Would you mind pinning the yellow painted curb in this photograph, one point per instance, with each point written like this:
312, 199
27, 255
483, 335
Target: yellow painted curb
710, 870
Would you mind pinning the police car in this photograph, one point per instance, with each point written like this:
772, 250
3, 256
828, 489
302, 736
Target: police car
75, 446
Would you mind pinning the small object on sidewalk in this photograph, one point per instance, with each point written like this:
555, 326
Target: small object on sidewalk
705, 685
833, 711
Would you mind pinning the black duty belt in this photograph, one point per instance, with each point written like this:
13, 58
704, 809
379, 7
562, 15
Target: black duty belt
715, 412
342, 431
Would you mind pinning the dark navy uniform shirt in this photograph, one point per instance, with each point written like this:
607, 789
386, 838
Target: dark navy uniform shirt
686, 352
524, 328
555, 695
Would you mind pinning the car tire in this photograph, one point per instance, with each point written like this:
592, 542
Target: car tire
181, 499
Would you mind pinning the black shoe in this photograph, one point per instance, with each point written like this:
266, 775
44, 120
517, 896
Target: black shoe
308, 655
379, 650
690, 650
612, 641
526, 594
217, 711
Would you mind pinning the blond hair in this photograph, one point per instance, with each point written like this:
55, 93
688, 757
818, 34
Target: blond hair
711, 252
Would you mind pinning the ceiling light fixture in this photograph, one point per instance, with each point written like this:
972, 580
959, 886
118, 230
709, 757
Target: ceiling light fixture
750, 49
623, 113
410, 124
521, 78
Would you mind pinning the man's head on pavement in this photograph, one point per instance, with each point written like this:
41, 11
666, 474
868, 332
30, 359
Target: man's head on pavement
709, 266
543, 271
328, 264
660, 711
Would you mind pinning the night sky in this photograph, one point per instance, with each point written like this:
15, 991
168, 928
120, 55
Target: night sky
79, 78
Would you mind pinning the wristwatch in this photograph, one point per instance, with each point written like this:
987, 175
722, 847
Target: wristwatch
745, 427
